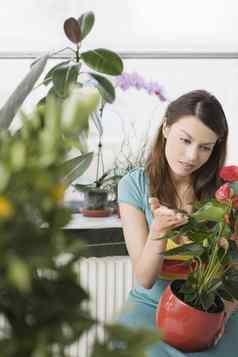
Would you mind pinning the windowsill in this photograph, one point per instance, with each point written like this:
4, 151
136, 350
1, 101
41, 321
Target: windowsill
78, 221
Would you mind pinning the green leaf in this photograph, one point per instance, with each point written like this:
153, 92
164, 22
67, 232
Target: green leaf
207, 300
230, 282
77, 107
63, 77
224, 294
234, 186
85, 188
191, 249
105, 87
199, 237
86, 22
18, 155
5, 176
49, 76
211, 211
75, 167
104, 61
233, 252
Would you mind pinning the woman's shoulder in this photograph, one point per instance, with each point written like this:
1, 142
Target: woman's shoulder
132, 188
135, 176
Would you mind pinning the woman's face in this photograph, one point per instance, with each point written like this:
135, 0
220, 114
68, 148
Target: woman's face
189, 144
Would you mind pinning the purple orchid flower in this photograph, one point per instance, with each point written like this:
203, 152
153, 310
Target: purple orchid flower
134, 80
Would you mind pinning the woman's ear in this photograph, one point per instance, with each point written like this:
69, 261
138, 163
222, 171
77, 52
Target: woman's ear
165, 130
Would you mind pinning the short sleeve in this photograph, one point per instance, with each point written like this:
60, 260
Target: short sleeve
131, 189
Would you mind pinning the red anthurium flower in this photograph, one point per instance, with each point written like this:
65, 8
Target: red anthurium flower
223, 193
229, 173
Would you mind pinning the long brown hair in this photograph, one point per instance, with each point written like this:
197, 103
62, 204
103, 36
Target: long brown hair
205, 180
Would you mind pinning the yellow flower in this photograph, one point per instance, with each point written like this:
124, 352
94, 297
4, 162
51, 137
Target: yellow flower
57, 192
6, 208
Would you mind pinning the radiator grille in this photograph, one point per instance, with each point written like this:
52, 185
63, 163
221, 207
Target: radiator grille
108, 281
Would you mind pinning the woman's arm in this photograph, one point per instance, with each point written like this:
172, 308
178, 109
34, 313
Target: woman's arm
142, 245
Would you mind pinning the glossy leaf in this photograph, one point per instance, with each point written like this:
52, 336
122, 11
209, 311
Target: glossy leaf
72, 30
63, 77
192, 249
104, 61
105, 87
49, 76
211, 211
86, 22
76, 167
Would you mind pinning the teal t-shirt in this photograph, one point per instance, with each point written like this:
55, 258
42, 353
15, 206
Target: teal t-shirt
133, 189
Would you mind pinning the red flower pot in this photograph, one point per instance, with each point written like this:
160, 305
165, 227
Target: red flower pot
183, 326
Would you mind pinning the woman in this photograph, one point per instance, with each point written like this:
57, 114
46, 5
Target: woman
183, 165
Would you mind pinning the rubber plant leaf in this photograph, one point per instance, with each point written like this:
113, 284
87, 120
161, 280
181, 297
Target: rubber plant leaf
105, 87
72, 30
86, 22
104, 61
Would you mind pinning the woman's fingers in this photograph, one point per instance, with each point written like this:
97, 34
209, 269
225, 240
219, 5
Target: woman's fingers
165, 218
154, 203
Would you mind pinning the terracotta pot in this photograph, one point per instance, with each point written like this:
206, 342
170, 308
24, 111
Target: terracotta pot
183, 326
97, 213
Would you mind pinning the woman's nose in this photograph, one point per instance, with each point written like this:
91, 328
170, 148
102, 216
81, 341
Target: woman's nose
192, 154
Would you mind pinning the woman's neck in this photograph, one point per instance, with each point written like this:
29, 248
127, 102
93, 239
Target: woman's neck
181, 181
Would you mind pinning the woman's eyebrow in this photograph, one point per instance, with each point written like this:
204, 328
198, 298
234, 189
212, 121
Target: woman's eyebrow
193, 138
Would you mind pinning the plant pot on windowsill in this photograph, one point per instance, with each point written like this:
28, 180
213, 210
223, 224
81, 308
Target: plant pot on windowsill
184, 327
95, 203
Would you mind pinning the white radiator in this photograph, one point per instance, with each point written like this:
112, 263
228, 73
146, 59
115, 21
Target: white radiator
108, 281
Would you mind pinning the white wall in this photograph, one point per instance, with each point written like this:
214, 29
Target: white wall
185, 25
126, 24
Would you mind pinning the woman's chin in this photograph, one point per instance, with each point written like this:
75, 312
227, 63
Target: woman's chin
181, 173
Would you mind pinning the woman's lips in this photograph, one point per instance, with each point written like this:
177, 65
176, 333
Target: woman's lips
186, 165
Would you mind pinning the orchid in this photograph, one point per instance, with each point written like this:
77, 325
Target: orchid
135, 80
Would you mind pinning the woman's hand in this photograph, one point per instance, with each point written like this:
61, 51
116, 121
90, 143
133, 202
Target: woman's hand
164, 219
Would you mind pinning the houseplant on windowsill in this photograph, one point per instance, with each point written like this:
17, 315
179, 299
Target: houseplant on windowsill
95, 202
197, 303
127, 158
96, 193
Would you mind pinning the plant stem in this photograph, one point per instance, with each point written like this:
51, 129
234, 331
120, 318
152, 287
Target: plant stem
77, 53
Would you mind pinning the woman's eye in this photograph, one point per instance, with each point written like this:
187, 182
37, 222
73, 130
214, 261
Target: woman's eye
186, 141
206, 148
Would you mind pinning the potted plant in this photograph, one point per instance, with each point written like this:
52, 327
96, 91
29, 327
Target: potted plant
100, 197
80, 72
197, 303
94, 202
41, 298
